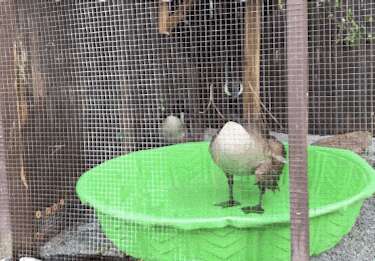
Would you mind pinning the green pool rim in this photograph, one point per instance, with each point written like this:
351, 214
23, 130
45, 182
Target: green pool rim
235, 221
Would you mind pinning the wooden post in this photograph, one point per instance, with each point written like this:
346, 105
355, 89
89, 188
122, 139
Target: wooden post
5, 226
163, 17
298, 81
166, 21
251, 77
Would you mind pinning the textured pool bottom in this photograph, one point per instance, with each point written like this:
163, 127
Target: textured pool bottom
271, 242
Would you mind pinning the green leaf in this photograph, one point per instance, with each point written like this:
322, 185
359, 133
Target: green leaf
369, 18
338, 3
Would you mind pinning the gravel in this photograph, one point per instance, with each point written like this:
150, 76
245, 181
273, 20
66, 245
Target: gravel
359, 244
85, 240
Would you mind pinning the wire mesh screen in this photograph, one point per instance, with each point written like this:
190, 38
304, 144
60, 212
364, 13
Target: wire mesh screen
114, 135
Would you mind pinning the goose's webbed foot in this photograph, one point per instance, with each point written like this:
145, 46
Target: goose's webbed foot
228, 204
258, 209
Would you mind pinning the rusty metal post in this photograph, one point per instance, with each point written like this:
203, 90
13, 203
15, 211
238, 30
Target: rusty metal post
298, 81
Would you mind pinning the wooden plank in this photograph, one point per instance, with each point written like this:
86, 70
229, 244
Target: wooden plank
13, 112
251, 77
298, 80
168, 22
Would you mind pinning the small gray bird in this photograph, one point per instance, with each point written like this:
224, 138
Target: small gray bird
173, 128
240, 151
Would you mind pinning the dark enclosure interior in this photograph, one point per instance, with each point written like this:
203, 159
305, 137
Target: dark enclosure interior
85, 81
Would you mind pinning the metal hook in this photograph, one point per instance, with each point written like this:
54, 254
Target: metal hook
212, 103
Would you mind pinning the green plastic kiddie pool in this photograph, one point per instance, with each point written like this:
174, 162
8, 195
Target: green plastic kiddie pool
158, 205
